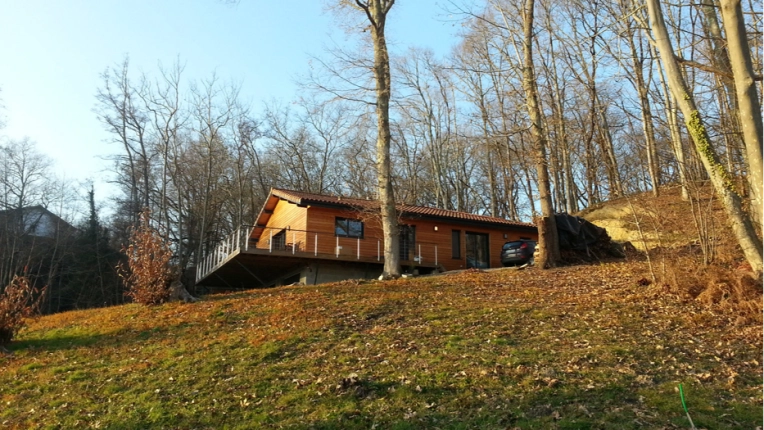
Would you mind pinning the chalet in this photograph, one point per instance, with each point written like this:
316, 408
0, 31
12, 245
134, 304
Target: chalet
313, 238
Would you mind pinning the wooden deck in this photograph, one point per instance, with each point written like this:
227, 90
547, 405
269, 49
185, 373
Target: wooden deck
258, 268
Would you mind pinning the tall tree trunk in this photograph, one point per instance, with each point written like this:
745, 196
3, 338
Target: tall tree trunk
720, 177
376, 11
549, 254
749, 109
488, 152
606, 142
676, 137
648, 129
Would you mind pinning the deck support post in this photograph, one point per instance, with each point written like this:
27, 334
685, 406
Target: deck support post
315, 246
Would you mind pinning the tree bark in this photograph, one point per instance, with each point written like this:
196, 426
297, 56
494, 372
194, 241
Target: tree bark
549, 254
676, 137
648, 129
749, 109
376, 11
180, 293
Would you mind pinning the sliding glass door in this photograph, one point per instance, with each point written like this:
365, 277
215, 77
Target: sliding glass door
477, 250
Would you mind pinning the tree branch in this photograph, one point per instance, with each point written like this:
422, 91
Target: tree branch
365, 9
704, 67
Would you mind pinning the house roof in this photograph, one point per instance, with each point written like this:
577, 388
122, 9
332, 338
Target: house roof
304, 199
32, 224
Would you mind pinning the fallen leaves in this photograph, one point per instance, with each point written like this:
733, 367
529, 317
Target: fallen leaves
419, 350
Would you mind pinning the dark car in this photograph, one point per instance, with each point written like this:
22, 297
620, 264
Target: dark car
518, 252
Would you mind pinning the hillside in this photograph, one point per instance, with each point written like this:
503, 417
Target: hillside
667, 222
575, 347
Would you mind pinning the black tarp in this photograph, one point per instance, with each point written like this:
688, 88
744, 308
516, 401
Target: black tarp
578, 234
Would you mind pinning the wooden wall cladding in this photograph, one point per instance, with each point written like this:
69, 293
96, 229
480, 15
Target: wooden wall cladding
289, 217
313, 230
322, 220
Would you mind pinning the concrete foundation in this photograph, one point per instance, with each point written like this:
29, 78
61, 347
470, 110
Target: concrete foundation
319, 273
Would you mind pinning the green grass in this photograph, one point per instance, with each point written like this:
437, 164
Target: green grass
574, 348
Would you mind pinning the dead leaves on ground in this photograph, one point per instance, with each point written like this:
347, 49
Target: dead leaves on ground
477, 341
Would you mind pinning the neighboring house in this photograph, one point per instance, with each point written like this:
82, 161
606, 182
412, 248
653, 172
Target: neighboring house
313, 238
34, 221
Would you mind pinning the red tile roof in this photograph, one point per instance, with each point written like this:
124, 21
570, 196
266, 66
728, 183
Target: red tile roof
303, 198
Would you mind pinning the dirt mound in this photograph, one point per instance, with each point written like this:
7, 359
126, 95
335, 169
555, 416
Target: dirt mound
692, 250
667, 222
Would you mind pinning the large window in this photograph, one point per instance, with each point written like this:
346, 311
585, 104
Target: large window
476, 251
345, 227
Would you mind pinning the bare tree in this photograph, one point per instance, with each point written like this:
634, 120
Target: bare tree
305, 143
24, 182
634, 67
550, 250
720, 176
163, 103
748, 104
119, 109
376, 13
24, 174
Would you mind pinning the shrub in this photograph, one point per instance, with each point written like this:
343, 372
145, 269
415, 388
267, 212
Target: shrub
18, 301
148, 275
734, 292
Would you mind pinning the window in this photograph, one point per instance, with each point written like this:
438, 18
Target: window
279, 241
456, 244
345, 227
407, 242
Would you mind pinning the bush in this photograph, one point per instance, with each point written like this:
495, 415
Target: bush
733, 292
18, 301
148, 275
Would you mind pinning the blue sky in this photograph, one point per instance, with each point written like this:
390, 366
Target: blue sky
52, 52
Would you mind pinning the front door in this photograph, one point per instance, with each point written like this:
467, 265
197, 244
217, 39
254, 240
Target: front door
477, 250
407, 241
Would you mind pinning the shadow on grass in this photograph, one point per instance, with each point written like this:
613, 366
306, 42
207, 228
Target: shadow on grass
56, 340
610, 407
157, 337
56, 343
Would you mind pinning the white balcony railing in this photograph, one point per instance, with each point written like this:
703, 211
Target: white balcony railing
286, 241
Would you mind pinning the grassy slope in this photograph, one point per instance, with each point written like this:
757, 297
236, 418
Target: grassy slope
578, 347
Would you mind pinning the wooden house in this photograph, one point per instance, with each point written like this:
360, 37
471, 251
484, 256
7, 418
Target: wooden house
313, 238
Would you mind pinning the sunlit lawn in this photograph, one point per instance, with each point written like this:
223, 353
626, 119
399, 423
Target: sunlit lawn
580, 347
